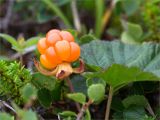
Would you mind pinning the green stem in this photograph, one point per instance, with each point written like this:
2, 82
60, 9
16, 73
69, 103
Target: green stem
58, 12
109, 103
99, 14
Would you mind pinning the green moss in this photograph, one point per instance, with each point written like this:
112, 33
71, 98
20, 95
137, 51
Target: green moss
13, 77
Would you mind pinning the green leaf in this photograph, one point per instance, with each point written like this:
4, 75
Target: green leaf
131, 6
10, 39
134, 30
73, 32
44, 97
28, 92
24, 114
146, 56
29, 115
132, 34
118, 75
127, 38
5, 116
50, 83
56, 93
117, 104
87, 38
131, 113
78, 97
134, 113
42, 81
79, 83
93, 79
93, 67
96, 92
138, 100
68, 113
31, 41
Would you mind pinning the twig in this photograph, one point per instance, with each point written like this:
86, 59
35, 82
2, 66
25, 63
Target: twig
8, 106
6, 19
72, 90
150, 110
83, 109
76, 19
109, 103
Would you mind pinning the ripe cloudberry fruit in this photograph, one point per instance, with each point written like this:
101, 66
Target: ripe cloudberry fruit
58, 49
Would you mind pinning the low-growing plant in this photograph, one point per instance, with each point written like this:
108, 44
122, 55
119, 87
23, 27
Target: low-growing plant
109, 67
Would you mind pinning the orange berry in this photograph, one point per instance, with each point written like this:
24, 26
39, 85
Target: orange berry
75, 52
42, 46
57, 47
62, 49
53, 31
46, 63
52, 57
67, 36
51, 39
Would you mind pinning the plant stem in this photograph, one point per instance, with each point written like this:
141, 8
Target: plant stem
8, 106
21, 59
109, 103
58, 12
99, 4
76, 19
72, 91
83, 109
107, 15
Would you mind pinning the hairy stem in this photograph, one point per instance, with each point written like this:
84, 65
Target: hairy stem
72, 91
83, 109
109, 103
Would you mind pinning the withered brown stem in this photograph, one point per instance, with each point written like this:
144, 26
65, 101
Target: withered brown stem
83, 109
